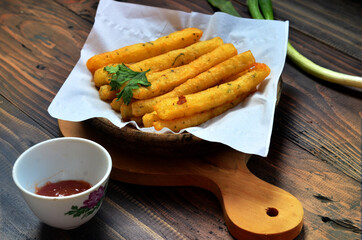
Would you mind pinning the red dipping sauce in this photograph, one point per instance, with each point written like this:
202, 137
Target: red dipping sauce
63, 188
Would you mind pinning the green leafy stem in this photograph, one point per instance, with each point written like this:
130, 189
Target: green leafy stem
83, 211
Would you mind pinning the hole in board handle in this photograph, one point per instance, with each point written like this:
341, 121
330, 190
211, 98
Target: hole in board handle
272, 212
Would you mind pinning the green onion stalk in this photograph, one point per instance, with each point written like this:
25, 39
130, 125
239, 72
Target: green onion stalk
262, 9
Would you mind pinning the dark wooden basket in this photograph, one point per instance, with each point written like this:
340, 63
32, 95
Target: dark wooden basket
162, 144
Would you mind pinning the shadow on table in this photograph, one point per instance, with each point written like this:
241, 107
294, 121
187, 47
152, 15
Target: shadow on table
88, 230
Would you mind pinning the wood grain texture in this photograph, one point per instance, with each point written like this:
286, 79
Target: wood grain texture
326, 22
315, 149
328, 126
86, 9
45, 42
335, 23
17, 133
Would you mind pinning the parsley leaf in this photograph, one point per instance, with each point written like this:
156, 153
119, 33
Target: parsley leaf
121, 75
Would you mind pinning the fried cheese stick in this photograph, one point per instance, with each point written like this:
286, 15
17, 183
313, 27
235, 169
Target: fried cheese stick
181, 106
140, 51
204, 80
164, 81
164, 61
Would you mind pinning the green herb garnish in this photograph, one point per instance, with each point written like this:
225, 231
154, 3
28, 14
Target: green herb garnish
124, 76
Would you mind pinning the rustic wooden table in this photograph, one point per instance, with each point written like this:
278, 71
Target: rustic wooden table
315, 151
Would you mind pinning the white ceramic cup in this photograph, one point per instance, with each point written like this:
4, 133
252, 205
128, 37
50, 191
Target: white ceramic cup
66, 158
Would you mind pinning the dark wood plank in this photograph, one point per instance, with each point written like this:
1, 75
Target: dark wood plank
39, 45
335, 23
17, 133
315, 151
15, 139
86, 9
326, 22
174, 212
322, 117
182, 5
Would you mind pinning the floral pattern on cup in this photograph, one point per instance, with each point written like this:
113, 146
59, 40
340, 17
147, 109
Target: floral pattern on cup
93, 202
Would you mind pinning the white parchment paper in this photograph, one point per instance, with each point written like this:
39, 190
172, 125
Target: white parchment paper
246, 128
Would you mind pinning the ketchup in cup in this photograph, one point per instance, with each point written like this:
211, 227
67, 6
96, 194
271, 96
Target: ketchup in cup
63, 188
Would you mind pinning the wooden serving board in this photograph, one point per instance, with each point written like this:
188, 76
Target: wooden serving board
253, 209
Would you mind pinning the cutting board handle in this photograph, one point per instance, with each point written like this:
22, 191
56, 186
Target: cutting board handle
253, 208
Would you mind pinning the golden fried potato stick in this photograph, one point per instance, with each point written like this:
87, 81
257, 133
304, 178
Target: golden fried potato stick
194, 120
164, 81
204, 80
101, 77
234, 77
178, 57
126, 112
106, 94
140, 51
164, 61
149, 118
177, 107
116, 104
